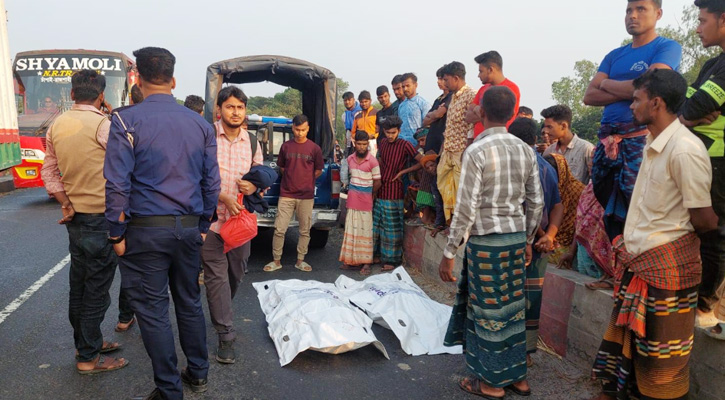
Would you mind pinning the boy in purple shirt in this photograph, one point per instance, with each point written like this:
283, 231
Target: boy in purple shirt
300, 161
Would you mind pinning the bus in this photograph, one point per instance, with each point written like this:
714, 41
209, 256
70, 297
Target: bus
42, 83
9, 140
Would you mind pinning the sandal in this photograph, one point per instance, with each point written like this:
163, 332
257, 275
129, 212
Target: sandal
438, 229
304, 267
467, 385
605, 284
705, 320
107, 348
518, 391
103, 364
271, 267
366, 270
124, 326
718, 336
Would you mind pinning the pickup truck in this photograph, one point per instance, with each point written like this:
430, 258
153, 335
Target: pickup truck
319, 101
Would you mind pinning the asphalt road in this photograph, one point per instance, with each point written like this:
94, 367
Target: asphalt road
37, 354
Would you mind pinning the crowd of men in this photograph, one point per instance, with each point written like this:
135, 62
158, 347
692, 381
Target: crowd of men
636, 211
643, 210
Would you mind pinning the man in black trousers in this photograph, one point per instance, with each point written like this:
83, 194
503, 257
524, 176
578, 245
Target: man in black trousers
161, 196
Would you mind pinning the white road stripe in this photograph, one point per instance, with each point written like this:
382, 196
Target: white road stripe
32, 289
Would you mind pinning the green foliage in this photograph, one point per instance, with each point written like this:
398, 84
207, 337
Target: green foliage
342, 87
693, 54
570, 90
287, 104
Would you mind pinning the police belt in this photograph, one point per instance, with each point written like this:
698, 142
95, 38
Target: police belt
165, 221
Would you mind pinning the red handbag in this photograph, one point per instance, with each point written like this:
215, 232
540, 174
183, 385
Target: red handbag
239, 229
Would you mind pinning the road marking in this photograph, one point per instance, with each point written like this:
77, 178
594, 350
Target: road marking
32, 289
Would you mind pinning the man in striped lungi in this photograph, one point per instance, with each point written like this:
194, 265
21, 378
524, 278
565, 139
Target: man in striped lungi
499, 173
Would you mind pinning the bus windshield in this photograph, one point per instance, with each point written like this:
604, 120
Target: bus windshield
43, 86
48, 95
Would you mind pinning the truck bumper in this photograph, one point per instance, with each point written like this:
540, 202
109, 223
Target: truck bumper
321, 219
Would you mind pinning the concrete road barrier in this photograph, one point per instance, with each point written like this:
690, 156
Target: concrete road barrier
6, 184
574, 318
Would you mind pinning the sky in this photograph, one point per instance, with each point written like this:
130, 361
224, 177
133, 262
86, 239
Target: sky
364, 43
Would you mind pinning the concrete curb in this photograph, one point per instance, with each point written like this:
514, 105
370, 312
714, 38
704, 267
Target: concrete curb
574, 318
6, 184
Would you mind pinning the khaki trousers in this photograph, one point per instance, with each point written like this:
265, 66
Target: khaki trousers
285, 209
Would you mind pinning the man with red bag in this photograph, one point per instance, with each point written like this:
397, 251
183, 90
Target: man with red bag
224, 271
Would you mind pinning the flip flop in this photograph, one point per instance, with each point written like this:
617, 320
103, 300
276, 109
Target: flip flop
436, 230
109, 347
366, 270
706, 322
467, 385
128, 324
518, 391
346, 267
271, 267
600, 285
718, 336
387, 268
304, 267
104, 364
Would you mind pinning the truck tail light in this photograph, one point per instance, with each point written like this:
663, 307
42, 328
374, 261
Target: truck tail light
336, 184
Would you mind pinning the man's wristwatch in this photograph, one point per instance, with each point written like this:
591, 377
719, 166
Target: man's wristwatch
116, 240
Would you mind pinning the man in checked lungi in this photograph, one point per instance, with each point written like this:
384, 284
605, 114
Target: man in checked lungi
646, 349
499, 173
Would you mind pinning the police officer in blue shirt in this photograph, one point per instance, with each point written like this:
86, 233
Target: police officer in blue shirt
161, 196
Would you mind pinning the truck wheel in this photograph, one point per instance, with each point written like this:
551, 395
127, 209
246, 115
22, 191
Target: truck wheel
318, 238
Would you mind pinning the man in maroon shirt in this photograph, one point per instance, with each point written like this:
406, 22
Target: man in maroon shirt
300, 161
394, 155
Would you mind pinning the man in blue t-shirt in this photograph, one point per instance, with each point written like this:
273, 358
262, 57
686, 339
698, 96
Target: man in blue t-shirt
619, 153
352, 108
412, 110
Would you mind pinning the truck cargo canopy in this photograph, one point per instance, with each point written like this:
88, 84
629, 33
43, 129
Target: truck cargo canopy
318, 86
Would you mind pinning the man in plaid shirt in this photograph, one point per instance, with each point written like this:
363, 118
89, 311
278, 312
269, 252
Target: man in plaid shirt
223, 272
499, 174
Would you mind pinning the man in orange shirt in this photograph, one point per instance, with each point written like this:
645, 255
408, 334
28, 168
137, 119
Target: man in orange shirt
365, 120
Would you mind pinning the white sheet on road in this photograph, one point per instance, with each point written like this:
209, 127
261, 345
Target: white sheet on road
311, 315
394, 301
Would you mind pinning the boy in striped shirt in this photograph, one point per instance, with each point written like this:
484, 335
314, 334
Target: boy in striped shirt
394, 154
364, 171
